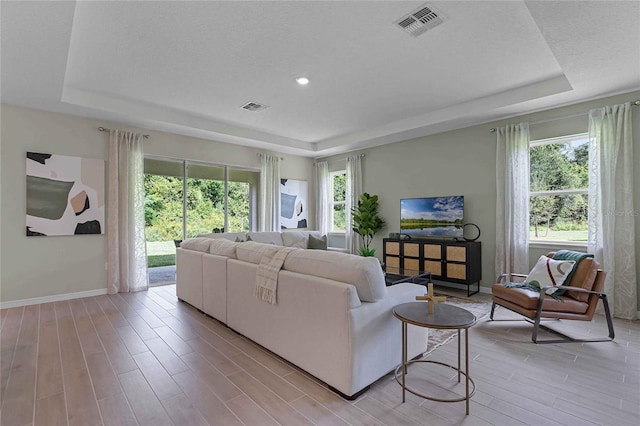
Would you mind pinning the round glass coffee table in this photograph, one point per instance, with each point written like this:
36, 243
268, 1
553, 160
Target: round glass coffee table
443, 317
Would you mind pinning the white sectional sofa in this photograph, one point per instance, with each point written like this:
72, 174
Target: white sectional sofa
333, 316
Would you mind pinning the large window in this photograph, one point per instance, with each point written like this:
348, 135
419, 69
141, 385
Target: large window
559, 181
337, 206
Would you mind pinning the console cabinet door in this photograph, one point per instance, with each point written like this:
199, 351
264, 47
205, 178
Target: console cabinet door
432, 259
391, 256
411, 258
456, 257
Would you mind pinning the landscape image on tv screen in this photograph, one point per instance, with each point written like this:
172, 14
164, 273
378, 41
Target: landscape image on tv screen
432, 217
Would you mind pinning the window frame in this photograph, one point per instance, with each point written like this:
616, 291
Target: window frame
567, 139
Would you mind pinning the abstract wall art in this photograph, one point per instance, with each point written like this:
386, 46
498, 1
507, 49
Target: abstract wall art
65, 195
294, 212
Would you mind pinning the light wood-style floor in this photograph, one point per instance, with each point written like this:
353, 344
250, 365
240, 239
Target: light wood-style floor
148, 359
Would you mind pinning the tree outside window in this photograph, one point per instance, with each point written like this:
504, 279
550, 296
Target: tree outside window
337, 205
559, 181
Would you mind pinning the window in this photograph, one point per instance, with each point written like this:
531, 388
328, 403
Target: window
558, 183
337, 205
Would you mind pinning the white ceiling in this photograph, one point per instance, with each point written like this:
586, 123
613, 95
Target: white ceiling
187, 67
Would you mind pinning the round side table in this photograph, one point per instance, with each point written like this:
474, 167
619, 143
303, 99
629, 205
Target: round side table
443, 317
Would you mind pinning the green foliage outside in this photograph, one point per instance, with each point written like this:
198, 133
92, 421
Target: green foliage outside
160, 253
205, 207
339, 195
161, 260
559, 167
366, 221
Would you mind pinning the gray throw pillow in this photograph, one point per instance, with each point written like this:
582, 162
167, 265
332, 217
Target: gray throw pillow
316, 243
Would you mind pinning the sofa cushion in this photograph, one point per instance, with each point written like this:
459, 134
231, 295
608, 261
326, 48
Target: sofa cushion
265, 237
223, 247
295, 239
364, 273
251, 252
197, 244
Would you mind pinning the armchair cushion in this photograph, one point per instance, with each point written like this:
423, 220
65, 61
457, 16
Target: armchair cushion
583, 275
523, 300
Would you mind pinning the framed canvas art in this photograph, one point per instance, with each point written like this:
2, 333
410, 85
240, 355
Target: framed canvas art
294, 212
65, 195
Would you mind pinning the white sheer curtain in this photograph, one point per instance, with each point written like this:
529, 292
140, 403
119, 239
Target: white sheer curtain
611, 209
512, 201
127, 252
322, 208
269, 193
354, 189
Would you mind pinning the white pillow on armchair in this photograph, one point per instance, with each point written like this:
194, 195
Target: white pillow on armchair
549, 271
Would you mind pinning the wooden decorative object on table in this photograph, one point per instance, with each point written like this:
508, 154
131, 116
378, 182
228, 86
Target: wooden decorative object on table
430, 297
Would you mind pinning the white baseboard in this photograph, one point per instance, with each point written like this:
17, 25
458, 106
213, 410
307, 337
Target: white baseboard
53, 298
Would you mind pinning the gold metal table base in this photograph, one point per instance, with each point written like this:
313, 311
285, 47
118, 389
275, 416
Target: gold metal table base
442, 317
398, 375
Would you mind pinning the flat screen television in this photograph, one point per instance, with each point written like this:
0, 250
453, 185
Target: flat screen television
432, 216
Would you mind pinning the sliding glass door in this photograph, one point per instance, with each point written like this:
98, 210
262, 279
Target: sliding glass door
243, 190
163, 215
184, 199
205, 199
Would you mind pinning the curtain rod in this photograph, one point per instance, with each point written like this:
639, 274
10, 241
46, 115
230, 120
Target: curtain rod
104, 129
493, 129
340, 159
261, 155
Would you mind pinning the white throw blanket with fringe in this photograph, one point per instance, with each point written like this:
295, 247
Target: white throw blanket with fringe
267, 274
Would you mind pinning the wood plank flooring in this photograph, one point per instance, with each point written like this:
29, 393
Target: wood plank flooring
146, 358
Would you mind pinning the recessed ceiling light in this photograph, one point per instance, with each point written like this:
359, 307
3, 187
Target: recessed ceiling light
303, 81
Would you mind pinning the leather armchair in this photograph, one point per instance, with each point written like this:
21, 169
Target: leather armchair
578, 302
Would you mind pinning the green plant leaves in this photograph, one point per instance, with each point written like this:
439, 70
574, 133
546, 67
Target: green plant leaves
365, 252
366, 221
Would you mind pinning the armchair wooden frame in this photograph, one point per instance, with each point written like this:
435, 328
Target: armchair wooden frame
540, 314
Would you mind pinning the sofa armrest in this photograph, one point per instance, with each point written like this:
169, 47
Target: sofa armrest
396, 294
376, 344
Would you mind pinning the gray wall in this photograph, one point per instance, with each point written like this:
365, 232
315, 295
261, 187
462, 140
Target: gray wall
462, 162
45, 266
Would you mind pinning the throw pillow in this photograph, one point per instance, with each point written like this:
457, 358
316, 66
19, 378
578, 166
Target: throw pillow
548, 272
316, 243
238, 240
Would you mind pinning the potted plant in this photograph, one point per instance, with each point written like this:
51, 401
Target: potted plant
366, 221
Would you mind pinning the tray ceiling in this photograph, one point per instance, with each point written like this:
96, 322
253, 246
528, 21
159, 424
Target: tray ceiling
189, 67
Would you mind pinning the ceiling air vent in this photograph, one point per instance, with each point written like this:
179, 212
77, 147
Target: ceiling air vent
254, 107
420, 20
